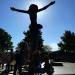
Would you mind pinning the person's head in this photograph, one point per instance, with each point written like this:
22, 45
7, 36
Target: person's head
33, 8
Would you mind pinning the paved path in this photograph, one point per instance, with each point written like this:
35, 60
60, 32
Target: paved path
42, 74
67, 69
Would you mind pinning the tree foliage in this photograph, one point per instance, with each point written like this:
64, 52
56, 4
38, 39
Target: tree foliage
22, 49
67, 43
5, 41
31, 42
34, 37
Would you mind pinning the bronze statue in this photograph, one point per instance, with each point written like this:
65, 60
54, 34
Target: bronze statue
34, 60
32, 11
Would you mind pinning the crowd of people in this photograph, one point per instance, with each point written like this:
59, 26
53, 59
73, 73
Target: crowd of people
35, 62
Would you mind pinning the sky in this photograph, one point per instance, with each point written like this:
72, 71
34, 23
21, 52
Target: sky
55, 19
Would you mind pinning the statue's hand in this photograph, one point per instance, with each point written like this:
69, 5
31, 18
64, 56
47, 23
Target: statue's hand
12, 8
52, 2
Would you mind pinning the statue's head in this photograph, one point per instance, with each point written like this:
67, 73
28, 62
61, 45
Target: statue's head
33, 8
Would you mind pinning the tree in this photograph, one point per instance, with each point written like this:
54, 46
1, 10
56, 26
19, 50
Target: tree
23, 50
31, 42
5, 41
67, 43
34, 37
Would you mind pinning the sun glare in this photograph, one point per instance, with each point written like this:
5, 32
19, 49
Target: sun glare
40, 3
26, 4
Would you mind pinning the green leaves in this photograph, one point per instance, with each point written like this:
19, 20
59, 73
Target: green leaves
67, 42
5, 41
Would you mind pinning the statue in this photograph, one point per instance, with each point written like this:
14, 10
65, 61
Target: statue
32, 11
34, 32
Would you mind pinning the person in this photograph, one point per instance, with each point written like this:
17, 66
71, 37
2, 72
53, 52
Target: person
48, 67
34, 64
32, 11
18, 64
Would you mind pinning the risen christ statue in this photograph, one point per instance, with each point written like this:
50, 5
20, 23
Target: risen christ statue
32, 11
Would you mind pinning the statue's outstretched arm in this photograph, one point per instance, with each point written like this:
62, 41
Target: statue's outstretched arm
18, 10
51, 3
